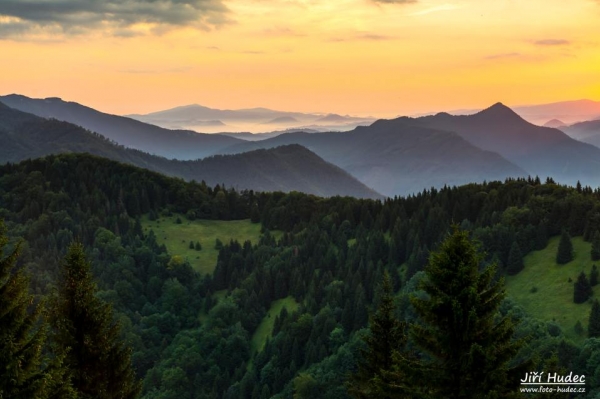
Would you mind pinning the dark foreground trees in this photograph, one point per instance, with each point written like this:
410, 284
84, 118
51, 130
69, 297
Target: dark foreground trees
565, 249
468, 345
99, 362
25, 372
385, 340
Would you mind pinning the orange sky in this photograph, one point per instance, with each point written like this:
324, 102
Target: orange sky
358, 57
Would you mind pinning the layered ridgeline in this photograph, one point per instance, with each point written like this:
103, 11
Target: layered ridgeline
397, 156
588, 132
396, 159
278, 317
538, 150
179, 144
291, 168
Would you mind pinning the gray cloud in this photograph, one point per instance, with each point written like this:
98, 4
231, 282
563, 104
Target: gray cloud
113, 16
552, 42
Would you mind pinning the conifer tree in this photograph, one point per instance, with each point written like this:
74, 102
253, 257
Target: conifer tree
386, 337
582, 289
23, 370
100, 364
594, 276
596, 246
594, 322
468, 347
515, 260
565, 249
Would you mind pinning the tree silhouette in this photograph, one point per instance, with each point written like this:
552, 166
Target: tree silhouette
469, 347
99, 362
565, 249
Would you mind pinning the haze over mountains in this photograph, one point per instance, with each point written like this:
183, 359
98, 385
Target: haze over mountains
253, 120
131, 133
539, 150
393, 157
588, 132
290, 168
398, 159
566, 112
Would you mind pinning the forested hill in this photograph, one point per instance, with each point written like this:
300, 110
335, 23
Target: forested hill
227, 334
282, 169
396, 159
178, 144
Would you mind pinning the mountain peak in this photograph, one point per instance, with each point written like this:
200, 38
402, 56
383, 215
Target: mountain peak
499, 110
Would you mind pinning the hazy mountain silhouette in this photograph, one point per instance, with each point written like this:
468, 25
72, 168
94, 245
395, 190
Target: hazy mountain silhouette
588, 132
291, 168
394, 158
566, 111
539, 150
282, 120
555, 123
252, 119
178, 144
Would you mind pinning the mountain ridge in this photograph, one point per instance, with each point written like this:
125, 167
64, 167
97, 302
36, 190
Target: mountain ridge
281, 169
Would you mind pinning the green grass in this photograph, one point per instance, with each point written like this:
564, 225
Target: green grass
553, 300
265, 328
177, 237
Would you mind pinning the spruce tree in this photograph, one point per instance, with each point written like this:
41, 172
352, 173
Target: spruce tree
594, 276
469, 347
100, 364
594, 322
515, 260
386, 338
24, 371
582, 289
596, 246
565, 249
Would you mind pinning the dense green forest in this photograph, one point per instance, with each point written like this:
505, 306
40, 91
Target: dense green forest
191, 334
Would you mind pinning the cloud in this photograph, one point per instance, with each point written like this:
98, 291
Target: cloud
552, 42
113, 17
395, 1
361, 37
503, 55
431, 10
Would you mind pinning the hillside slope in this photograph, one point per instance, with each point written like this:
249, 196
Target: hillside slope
396, 159
179, 144
539, 150
281, 169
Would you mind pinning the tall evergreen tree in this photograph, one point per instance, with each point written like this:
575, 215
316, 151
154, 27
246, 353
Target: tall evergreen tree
515, 260
24, 372
582, 289
595, 252
594, 276
468, 347
594, 321
565, 249
386, 338
99, 362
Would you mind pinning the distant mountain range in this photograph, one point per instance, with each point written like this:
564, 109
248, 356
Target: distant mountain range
568, 112
253, 119
394, 158
588, 132
538, 150
404, 155
131, 133
289, 168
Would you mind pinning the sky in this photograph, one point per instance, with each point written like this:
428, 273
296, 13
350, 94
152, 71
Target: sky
379, 58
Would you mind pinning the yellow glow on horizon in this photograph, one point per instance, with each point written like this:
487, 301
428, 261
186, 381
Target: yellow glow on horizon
344, 56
